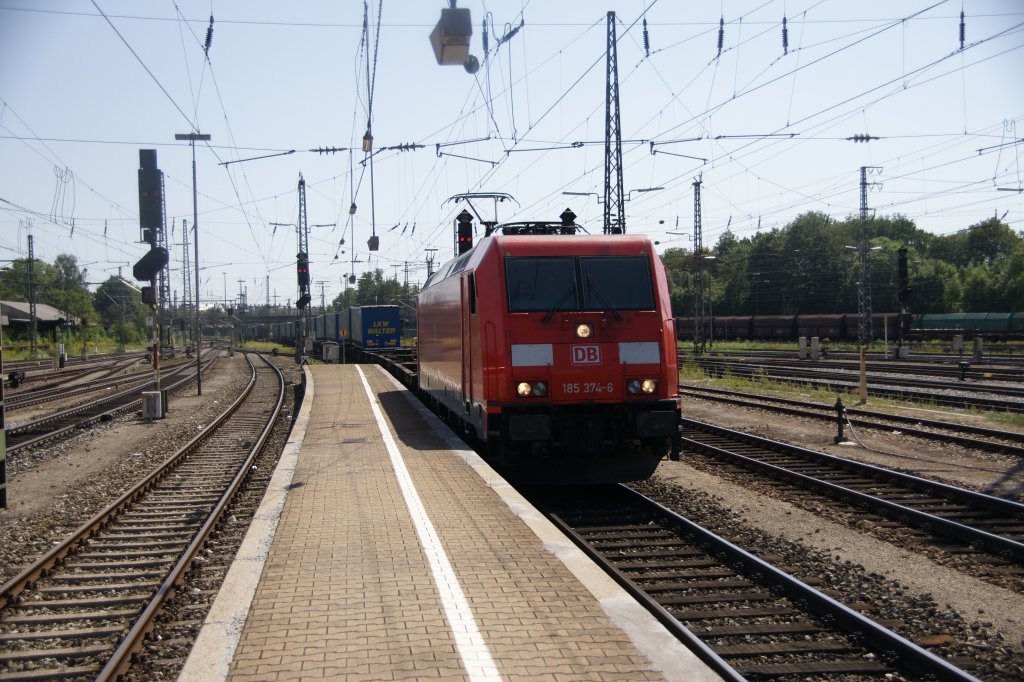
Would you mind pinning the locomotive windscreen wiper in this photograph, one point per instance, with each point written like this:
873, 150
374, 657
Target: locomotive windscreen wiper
558, 304
604, 299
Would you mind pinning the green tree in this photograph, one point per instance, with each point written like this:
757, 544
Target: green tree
989, 241
111, 298
15, 284
69, 290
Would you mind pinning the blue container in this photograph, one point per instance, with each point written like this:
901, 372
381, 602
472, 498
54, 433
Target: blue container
375, 326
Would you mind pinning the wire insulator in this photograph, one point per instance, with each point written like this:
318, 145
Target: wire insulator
721, 34
785, 37
963, 32
486, 39
647, 41
209, 38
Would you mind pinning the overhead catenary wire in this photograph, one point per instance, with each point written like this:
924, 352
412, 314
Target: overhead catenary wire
422, 183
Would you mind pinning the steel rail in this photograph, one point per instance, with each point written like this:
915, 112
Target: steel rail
133, 640
56, 391
961, 532
972, 372
17, 584
89, 407
909, 425
694, 643
849, 386
909, 655
850, 374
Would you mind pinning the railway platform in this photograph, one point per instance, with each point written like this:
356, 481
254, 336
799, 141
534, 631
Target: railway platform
385, 549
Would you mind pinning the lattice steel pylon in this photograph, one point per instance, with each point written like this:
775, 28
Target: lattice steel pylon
614, 202
699, 297
302, 231
186, 273
864, 332
32, 294
164, 276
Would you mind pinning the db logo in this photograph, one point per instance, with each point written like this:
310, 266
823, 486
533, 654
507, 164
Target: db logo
586, 355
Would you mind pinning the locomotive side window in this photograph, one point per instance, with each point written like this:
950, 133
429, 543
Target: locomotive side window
616, 282
540, 284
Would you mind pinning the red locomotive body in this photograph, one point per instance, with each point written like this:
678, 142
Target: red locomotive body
557, 353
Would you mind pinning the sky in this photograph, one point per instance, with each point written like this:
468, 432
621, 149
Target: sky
762, 117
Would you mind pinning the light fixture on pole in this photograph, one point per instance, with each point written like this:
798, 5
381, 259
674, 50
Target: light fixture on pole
198, 336
600, 199
450, 39
629, 194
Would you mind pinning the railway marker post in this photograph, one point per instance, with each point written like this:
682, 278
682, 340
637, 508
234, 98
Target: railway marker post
840, 411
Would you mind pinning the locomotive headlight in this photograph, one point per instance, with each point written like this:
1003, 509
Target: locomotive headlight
584, 330
636, 386
535, 389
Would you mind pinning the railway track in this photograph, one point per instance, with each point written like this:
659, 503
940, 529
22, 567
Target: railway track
966, 435
43, 368
83, 609
743, 616
952, 394
64, 422
973, 525
41, 381
974, 372
1004, 356
60, 387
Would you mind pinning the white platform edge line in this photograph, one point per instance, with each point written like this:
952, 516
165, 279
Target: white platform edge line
214, 650
650, 637
473, 650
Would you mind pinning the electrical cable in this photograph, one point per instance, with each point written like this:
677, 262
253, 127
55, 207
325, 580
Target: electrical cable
137, 57
887, 453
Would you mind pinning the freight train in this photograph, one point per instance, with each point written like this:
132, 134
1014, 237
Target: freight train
555, 353
372, 327
369, 327
843, 327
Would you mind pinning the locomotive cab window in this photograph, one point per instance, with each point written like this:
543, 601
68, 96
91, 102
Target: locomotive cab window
540, 284
617, 282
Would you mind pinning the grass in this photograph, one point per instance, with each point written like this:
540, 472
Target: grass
23, 351
267, 346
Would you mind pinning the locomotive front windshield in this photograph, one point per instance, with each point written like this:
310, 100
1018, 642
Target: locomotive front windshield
548, 284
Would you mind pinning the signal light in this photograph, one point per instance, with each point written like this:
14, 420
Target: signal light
302, 267
464, 232
149, 295
151, 205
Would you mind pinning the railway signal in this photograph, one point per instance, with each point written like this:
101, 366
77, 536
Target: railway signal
151, 264
302, 268
465, 232
151, 205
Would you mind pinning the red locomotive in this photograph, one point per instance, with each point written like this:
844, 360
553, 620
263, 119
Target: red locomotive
556, 352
